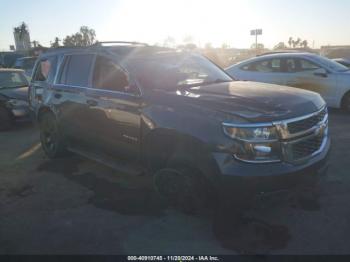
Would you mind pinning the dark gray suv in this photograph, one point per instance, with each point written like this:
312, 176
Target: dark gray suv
178, 117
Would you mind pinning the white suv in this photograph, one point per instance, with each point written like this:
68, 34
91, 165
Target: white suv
303, 70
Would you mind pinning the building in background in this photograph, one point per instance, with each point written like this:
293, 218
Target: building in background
341, 51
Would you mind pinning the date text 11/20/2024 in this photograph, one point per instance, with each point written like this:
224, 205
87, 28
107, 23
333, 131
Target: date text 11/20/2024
173, 258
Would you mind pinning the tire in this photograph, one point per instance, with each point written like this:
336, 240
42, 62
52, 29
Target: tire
346, 103
6, 120
184, 187
51, 139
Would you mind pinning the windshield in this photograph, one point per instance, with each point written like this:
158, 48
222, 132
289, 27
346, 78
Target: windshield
12, 80
25, 63
332, 64
176, 71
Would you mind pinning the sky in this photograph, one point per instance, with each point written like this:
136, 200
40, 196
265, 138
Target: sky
321, 22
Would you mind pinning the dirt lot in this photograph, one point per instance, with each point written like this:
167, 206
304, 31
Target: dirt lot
77, 206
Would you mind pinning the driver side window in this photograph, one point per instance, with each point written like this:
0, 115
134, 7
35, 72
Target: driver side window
306, 65
109, 76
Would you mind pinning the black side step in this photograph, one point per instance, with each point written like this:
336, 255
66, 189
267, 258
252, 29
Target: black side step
114, 163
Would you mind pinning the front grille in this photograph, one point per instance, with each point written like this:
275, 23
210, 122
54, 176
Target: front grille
306, 147
304, 136
307, 123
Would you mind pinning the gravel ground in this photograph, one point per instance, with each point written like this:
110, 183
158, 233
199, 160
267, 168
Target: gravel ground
77, 206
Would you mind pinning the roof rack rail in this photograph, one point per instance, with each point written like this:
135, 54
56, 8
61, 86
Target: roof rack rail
119, 43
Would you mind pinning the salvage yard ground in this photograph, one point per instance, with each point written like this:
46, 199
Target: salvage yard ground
77, 206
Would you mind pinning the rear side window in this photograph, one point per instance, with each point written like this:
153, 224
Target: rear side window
265, 66
45, 70
76, 70
291, 65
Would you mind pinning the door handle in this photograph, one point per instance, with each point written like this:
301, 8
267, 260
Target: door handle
91, 102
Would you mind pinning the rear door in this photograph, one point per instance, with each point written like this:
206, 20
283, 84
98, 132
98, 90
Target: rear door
70, 100
114, 108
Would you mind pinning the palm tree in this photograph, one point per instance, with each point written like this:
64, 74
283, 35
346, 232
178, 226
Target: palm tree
22, 31
305, 43
290, 41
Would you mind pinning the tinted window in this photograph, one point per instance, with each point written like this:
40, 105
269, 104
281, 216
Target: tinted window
291, 65
175, 70
306, 65
271, 65
76, 70
45, 70
108, 75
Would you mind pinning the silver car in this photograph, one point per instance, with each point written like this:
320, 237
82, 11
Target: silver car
302, 70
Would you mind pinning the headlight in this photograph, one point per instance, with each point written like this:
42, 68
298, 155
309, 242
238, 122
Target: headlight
255, 144
16, 103
254, 134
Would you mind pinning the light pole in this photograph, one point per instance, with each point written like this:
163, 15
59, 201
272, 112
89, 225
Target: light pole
255, 33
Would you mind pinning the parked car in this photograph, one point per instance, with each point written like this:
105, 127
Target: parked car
26, 64
343, 61
8, 59
303, 70
13, 97
180, 118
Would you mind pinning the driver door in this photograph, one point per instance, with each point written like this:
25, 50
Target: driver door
306, 76
114, 109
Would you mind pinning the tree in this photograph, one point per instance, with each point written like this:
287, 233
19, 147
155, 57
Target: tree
21, 33
85, 37
56, 43
290, 41
298, 42
280, 45
36, 43
305, 44
22, 30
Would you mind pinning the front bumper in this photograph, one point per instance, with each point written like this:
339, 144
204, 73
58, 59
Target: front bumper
237, 176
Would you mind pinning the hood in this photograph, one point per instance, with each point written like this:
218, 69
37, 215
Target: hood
20, 93
256, 102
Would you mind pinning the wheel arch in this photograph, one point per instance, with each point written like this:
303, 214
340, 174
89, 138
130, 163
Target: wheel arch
161, 145
42, 110
342, 101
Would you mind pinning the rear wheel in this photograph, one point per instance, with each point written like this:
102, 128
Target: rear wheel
50, 137
6, 120
346, 103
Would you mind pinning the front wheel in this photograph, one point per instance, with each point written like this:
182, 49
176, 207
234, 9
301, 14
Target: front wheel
346, 103
50, 137
6, 120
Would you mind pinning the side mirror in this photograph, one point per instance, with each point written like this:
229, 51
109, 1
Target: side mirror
321, 72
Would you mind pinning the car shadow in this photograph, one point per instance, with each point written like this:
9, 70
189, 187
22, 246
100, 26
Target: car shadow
107, 194
234, 229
